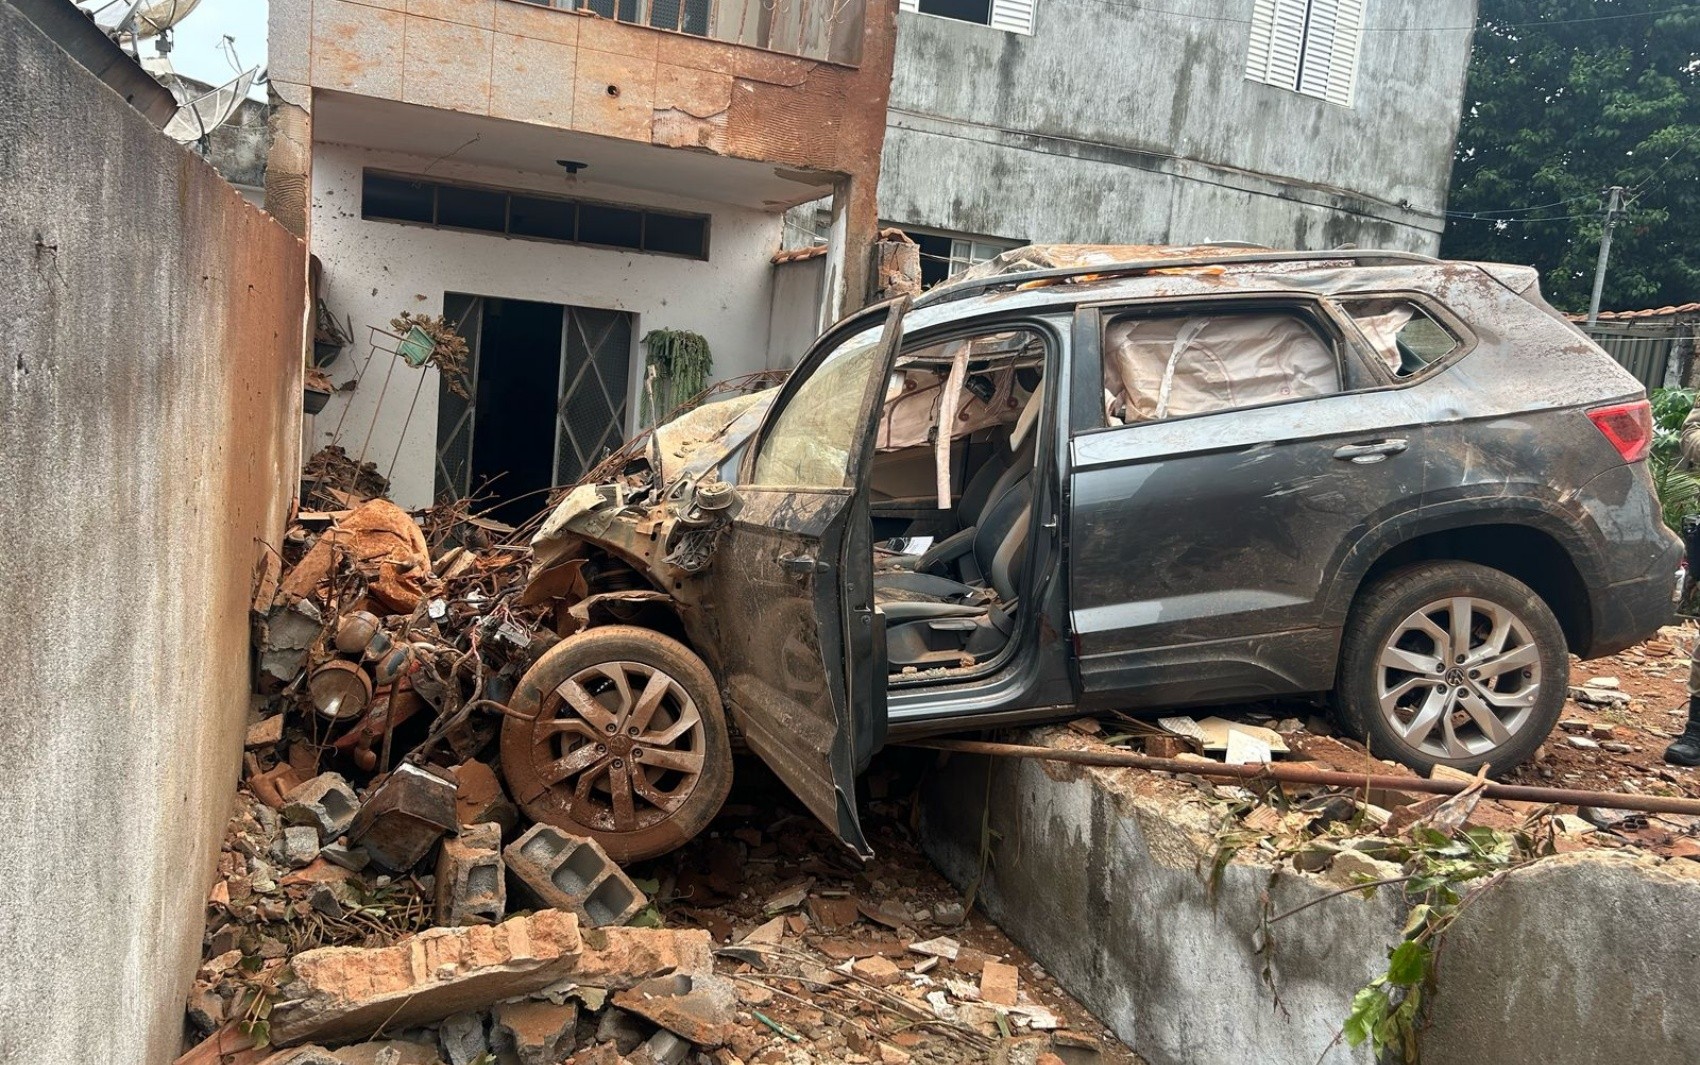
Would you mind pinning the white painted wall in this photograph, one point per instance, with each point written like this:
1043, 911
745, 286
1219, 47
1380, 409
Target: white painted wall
375, 270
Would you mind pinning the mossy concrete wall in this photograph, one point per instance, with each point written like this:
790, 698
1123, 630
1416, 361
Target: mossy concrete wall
1581, 958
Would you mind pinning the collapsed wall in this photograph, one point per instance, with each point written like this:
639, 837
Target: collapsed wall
1115, 887
148, 438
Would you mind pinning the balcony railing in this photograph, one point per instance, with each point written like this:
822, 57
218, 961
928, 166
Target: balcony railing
816, 29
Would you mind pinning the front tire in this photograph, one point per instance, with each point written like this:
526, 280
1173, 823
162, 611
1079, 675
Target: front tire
1452, 663
623, 740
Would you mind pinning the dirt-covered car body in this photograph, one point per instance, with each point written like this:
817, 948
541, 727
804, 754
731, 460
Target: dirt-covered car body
1167, 555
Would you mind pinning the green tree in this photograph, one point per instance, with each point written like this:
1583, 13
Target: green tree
1566, 98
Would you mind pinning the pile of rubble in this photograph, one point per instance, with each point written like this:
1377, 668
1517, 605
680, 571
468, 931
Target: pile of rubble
1333, 831
380, 899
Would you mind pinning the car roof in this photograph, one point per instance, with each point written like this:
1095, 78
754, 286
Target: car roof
1024, 281
1044, 265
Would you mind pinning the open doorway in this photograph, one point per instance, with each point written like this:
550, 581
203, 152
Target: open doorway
547, 399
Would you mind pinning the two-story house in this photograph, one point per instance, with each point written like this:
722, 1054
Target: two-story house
1293, 123
560, 183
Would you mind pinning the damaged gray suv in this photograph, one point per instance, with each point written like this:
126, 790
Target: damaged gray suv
1099, 478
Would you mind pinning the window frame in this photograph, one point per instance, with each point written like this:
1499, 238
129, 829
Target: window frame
1340, 86
1092, 319
1437, 312
508, 195
1006, 16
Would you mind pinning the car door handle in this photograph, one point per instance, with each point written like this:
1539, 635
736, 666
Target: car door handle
801, 564
1373, 451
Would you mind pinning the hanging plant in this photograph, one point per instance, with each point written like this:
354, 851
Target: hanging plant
677, 368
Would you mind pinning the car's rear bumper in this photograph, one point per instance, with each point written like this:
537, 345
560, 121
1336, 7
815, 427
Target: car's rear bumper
1629, 611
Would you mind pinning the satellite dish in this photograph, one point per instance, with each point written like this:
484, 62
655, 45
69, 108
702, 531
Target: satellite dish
198, 117
135, 20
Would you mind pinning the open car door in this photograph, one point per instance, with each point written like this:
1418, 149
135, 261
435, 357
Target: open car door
805, 670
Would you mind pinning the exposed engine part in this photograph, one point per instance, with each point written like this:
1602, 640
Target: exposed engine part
340, 690
355, 632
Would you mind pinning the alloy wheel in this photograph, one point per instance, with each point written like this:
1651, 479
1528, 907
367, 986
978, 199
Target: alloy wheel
1458, 678
622, 743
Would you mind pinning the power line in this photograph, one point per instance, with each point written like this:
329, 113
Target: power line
1517, 210
1537, 22
1146, 10
1635, 192
1559, 218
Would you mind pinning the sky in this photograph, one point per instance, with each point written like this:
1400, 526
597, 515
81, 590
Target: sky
197, 54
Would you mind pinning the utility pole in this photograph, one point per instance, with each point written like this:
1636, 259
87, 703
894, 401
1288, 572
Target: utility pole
1614, 208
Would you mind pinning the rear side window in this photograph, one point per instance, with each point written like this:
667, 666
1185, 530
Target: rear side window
1173, 366
1405, 337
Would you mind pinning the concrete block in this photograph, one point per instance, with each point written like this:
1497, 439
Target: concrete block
574, 873
326, 803
298, 846
463, 1038
470, 886
404, 817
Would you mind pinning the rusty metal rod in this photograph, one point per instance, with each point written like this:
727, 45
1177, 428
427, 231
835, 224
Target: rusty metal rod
1298, 774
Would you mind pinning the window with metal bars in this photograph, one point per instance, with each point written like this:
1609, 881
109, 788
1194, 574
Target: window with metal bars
391, 197
1307, 46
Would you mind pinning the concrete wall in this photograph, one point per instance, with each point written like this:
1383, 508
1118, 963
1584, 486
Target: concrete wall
1110, 123
375, 270
152, 374
1573, 960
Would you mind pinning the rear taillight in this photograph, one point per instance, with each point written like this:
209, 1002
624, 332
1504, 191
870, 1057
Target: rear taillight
1629, 427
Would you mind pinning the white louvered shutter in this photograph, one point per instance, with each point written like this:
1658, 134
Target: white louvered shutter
1016, 16
1347, 42
1277, 42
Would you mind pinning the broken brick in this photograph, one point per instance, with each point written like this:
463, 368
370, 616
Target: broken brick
833, 914
344, 993
538, 1033
877, 970
271, 786
698, 1007
479, 797
998, 983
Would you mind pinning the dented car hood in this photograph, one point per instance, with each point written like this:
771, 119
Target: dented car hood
660, 512
702, 439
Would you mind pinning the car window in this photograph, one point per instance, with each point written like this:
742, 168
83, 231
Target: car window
1404, 336
1171, 366
810, 441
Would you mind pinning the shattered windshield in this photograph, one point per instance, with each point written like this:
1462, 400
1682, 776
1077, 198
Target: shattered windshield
809, 444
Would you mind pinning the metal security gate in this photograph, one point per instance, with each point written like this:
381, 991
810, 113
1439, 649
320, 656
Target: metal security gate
592, 384
595, 371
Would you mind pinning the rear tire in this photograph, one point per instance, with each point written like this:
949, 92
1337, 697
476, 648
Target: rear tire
1451, 663
624, 740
